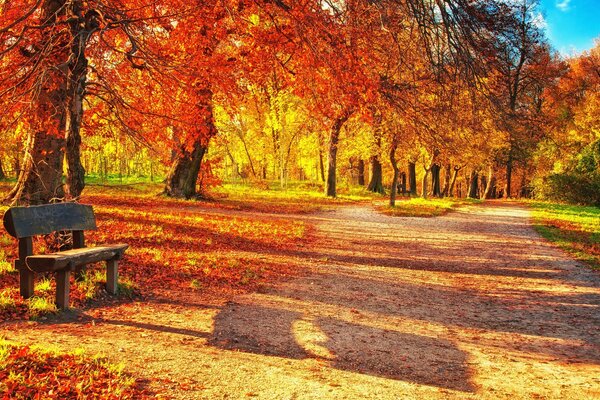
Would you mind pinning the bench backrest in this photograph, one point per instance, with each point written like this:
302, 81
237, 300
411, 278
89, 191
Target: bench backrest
22, 222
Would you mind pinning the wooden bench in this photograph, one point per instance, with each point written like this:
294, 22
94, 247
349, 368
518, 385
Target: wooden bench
24, 223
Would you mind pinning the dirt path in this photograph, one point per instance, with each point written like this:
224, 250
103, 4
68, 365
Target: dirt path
470, 305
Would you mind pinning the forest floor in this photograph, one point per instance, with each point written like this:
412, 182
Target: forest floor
472, 304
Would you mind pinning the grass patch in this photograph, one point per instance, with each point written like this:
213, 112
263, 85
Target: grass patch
419, 207
7, 301
29, 372
575, 229
40, 306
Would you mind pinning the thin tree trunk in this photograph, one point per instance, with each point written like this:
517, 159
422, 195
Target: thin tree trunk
412, 178
447, 178
453, 181
2, 174
424, 188
394, 163
334, 136
509, 168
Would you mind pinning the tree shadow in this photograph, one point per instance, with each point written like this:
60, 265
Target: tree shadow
356, 348
396, 355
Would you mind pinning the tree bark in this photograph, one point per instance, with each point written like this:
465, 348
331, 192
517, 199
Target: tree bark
82, 25
40, 179
2, 174
334, 136
447, 179
182, 178
455, 172
361, 172
412, 178
473, 185
394, 163
435, 180
376, 181
509, 168
491, 184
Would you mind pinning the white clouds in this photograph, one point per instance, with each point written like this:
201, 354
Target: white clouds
539, 21
563, 5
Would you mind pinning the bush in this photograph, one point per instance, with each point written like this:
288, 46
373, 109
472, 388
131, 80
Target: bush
573, 188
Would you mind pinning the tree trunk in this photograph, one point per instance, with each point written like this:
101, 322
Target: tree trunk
376, 183
2, 174
361, 172
435, 180
509, 168
394, 163
455, 172
447, 179
403, 183
40, 180
424, 188
491, 184
412, 178
334, 137
473, 185
321, 165
182, 178
81, 28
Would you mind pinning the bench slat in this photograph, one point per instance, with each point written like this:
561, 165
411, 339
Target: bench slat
74, 258
42, 220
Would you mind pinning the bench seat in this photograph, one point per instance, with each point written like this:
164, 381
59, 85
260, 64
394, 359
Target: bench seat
71, 259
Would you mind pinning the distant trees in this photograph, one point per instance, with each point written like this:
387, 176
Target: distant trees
460, 95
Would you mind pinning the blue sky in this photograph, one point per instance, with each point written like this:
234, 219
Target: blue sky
572, 25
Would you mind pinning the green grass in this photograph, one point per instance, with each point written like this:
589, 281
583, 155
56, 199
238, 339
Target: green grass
40, 306
575, 229
419, 207
7, 301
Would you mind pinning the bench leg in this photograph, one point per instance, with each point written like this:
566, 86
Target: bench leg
112, 276
26, 283
62, 289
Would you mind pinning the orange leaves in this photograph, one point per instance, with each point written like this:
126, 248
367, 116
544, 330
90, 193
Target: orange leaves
26, 373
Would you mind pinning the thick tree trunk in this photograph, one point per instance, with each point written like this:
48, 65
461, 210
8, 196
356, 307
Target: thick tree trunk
40, 179
376, 182
334, 136
361, 172
181, 181
473, 185
435, 181
412, 178
394, 163
183, 176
